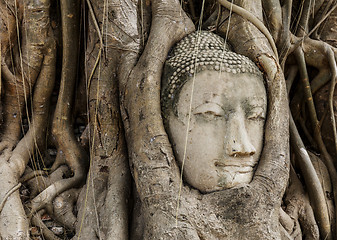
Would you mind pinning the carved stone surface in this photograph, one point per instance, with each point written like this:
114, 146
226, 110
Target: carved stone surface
214, 112
200, 51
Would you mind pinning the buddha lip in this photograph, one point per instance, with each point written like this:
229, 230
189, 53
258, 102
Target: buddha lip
242, 164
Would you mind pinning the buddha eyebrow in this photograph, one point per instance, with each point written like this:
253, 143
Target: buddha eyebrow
255, 100
210, 102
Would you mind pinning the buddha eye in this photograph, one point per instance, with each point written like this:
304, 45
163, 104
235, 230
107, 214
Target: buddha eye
209, 111
208, 114
256, 113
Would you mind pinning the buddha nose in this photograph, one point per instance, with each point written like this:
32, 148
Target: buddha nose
237, 142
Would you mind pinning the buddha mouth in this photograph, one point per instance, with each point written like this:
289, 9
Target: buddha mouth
237, 165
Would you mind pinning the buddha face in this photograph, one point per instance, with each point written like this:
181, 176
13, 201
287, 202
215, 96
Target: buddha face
225, 134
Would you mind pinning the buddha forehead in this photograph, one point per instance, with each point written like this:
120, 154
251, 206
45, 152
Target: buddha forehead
198, 53
226, 90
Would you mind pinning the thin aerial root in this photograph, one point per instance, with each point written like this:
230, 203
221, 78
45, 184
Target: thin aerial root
93, 16
298, 43
304, 19
212, 20
315, 123
2, 204
306, 86
311, 179
286, 18
321, 21
321, 14
47, 234
273, 13
284, 44
254, 20
333, 67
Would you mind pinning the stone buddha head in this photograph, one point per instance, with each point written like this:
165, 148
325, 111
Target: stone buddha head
214, 107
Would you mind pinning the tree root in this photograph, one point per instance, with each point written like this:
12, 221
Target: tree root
312, 182
252, 19
152, 161
31, 175
33, 139
333, 70
27, 57
65, 138
48, 234
38, 184
63, 208
2, 204
39, 51
297, 207
315, 124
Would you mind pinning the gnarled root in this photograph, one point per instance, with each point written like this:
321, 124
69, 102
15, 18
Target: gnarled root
298, 208
13, 168
153, 169
66, 142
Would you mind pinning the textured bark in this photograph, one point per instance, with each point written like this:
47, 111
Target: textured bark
109, 171
37, 66
107, 191
152, 163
